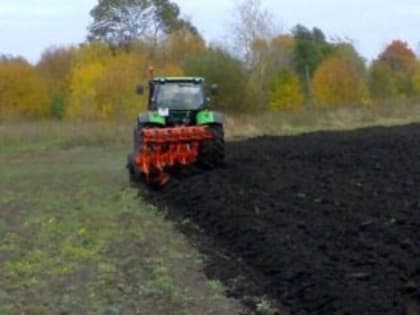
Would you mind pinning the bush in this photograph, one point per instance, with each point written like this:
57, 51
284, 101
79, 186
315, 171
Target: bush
286, 93
219, 67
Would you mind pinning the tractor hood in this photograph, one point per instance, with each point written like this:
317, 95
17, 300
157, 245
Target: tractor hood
168, 117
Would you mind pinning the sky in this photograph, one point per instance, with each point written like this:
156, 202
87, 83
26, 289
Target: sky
28, 27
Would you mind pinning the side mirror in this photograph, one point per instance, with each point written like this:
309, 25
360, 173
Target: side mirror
214, 89
140, 89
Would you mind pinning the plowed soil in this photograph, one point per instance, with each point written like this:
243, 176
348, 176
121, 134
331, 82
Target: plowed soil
330, 220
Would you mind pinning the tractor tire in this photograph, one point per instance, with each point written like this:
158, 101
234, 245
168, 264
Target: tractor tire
133, 174
212, 153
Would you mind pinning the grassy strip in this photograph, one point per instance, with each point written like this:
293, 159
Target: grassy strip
77, 240
311, 119
43, 136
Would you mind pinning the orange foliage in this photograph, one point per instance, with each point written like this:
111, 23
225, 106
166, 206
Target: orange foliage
337, 82
399, 57
96, 81
401, 61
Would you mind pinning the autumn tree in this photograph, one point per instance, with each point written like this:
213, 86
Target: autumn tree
179, 45
348, 52
220, 67
122, 21
285, 92
88, 69
392, 73
115, 96
338, 81
311, 50
416, 81
381, 82
55, 67
23, 92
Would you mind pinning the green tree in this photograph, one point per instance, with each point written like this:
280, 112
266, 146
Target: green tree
123, 21
310, 50
381, 82
219, 67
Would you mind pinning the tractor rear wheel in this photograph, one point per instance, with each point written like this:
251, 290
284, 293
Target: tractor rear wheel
212, 153
133, 172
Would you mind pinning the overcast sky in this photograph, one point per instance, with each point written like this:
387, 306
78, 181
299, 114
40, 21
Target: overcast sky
27, 27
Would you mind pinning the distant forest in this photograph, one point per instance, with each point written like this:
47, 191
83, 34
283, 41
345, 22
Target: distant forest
258, 68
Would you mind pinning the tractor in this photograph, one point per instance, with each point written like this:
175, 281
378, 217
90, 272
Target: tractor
178, 130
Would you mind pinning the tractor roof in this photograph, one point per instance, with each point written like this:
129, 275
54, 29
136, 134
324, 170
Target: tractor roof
178, 79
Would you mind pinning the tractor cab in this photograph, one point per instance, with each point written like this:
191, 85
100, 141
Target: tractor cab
178, 99
177, 94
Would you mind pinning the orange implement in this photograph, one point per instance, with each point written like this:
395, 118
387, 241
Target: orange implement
168, 147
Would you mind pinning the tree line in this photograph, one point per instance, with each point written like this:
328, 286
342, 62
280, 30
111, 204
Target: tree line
260, 69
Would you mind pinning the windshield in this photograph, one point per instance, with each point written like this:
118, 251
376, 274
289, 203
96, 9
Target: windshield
179, 95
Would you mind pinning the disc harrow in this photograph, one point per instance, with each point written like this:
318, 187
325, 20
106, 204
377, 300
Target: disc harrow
165, 148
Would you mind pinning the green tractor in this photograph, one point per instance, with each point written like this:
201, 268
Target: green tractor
178, 129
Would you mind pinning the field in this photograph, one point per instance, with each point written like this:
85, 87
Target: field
317, 223
77, 239
330, 221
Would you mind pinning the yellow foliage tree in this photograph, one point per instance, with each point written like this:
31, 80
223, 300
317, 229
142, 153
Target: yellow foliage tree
89, 67
23, 92
55, 67
83, 91
286, 93
93, 52
180, 45
337, 82
116, 97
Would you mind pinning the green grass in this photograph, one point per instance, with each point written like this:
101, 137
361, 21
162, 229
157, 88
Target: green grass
76, 239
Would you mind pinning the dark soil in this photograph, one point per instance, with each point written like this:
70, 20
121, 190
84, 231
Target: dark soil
330, 221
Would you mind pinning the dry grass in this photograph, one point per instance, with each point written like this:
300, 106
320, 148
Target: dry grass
309, 120
38, 136
44, 135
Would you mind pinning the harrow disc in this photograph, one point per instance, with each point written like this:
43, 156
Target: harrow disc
164, 148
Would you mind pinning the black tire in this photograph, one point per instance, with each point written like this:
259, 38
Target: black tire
137, 145
133, 174
212, 153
